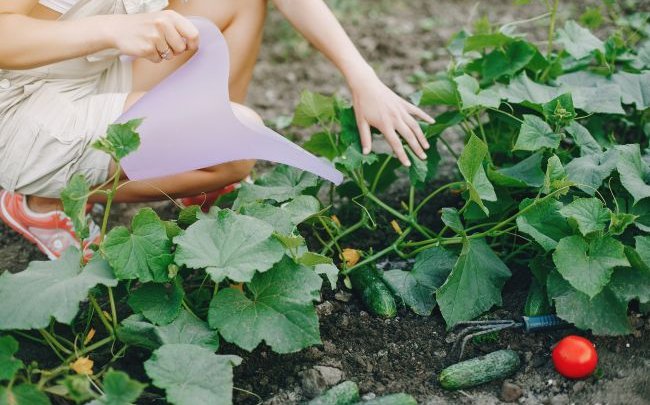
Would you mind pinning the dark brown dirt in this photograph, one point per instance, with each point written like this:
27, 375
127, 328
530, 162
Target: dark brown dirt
400, 38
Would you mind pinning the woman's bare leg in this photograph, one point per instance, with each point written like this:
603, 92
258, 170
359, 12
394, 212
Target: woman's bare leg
241, 22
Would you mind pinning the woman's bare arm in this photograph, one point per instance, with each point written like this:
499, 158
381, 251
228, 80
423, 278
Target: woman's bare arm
27, 42
375, 104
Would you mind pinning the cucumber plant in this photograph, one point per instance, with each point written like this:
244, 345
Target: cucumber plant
553, 178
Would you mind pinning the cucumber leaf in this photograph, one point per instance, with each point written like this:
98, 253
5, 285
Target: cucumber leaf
604, 314
186, 328
472, 96
74, 198
159, 303
418, 286
120, 140
527, 173
588, 172
280, 185
313, 108
579, 42
544, 223
588, 265
277, 308
470, 164
192, 375
229, 246
634, 171
536, 134
284, 219
52, 289
474, 285
440, 92
23, 394
119, 389
590, 214
9, 365
144, 253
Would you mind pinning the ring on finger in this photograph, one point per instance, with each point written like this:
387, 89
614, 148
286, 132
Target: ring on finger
167, 54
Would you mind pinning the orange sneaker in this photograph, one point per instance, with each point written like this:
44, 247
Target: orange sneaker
206, 200
52, 232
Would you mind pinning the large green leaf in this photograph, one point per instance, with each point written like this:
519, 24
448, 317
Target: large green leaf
543, 222
474, 285
119, 389
46, 290
536, 134
277, 308
143, 253
588, 265
186, 328
579, 42
470, 164
583, 138
604, 314
24, 394
284, 219
421, 171
313, 108
440, 92
482, 41
352, 158
229, 246
322, 144
9, 365
280, 185
634, 171
508, 62
120, 139
192, 375
635, 88
527, 173
74, 197
634, 283
159, 303
590, 214
472, 96
588, 172
418, 286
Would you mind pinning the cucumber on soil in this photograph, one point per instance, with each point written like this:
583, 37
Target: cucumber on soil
480, 370
375, 294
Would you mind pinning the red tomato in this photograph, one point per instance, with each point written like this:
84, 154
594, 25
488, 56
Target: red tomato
575, 357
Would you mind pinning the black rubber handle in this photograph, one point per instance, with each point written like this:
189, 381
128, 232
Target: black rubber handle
543, 323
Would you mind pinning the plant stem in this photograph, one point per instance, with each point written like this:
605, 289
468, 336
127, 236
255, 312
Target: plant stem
425, 232
113, 309
449, 148
328, 247
380, 254
56, 347
100, 313
435, 193
109, 201
383, 166
551, 28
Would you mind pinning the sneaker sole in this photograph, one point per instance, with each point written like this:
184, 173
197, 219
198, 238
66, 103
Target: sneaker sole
6, 217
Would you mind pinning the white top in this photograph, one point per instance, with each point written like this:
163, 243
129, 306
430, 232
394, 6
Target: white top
60, 6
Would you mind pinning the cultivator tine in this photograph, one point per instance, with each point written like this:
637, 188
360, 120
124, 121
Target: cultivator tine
477, 328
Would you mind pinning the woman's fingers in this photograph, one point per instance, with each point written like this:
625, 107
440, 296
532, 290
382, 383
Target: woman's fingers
396, 144
174, 39
415, 127
187, 31
364, 134
411, 139
419, 113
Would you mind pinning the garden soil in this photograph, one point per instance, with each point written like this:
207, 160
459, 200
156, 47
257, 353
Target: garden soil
404, 354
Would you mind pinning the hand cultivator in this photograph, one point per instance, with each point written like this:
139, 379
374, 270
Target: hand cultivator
530, 324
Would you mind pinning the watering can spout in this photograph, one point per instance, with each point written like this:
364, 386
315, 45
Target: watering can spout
190, 123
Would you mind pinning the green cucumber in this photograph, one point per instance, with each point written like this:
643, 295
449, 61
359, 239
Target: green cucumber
346, 393
537, 301
393, 399
480, 370
375, 294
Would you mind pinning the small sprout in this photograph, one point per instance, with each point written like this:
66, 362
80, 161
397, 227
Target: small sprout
350, 256
89, 336
83, 366
396, 227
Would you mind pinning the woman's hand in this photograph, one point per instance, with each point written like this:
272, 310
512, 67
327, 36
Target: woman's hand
378, 106
154, 36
